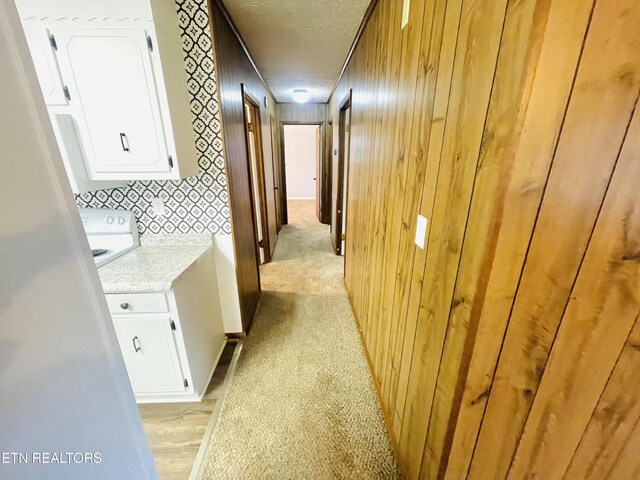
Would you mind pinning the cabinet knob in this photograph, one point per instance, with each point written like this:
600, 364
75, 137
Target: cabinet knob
124, 305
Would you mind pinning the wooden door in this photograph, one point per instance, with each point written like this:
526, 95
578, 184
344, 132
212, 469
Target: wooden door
149, 349
113, 98
317, 177
275, 159
256, 176
340, 214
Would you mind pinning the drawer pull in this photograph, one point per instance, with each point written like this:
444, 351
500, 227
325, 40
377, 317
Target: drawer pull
123, 137
124, 306
136, 344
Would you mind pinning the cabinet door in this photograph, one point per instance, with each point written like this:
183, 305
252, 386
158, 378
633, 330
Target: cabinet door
44, 60
113, 98
149, 350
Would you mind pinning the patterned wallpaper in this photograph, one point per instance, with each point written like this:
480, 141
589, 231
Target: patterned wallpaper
196, 204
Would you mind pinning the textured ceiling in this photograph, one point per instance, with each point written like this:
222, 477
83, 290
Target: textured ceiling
298, 43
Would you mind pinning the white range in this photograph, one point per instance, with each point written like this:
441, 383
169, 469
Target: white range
111, 233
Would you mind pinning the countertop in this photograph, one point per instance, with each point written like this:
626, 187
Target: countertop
155, 265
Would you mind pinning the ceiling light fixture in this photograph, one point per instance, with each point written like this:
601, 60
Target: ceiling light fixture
300, 95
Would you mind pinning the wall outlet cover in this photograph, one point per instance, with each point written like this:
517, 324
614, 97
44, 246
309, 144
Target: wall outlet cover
158, 206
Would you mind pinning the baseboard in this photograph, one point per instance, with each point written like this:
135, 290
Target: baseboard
215, 415
387, 421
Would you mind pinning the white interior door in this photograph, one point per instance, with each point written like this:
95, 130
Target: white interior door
114, 99
150, 354
46, 66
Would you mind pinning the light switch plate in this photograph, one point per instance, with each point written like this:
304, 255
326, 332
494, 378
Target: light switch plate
405, 13
421, 231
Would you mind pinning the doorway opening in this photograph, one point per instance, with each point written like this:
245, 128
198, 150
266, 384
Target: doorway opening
302, 147
341, 177
257, 187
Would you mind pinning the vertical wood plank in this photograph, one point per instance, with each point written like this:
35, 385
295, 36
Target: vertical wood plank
434, 155
614, 418
412, 39
543, 112
476, 55
518, 46
604, 303
627, 465
600, 104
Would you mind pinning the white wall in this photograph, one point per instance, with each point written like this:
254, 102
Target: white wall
300, 153
63, 383
227, 284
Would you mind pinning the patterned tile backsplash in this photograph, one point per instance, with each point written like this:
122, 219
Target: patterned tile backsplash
196, 204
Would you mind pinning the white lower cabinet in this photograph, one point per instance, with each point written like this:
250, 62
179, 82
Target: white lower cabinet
149, 349
171, 340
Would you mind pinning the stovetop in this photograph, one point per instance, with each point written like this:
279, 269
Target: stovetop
111, 233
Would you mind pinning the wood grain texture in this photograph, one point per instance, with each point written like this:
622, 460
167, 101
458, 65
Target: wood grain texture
604, 303
613, 419
544, 104
235, 70
564, 225
627, 464
277, 175
503, 124
481, 116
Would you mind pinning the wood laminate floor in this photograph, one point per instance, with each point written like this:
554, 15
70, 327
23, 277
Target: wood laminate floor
175, 430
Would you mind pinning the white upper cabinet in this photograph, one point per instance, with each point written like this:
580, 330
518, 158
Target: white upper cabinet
113, 93
41, 46
117, 69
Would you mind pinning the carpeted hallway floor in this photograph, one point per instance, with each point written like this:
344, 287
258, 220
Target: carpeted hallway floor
302, 403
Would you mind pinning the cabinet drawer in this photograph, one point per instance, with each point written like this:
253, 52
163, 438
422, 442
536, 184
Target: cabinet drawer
137, 302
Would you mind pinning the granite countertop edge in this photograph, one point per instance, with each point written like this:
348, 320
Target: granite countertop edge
155, 266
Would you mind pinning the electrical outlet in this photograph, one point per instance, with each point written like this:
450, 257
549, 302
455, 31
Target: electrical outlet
158, 207
421, 231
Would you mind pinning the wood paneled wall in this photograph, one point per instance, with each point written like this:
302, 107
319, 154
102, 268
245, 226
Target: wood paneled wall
508, 347
313, 113
235, 71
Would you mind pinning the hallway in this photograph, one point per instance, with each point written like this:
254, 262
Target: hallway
302, 402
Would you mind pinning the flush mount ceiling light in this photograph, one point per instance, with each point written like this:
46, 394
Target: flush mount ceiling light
300, 95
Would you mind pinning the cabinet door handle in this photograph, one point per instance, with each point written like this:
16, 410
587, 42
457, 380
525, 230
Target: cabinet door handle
123, 137
136, 344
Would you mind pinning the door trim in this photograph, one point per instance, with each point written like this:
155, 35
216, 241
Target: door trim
262, 193
340, 200
323, 125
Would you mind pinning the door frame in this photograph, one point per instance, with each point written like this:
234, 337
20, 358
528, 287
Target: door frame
340, 200
283, 123
254, 104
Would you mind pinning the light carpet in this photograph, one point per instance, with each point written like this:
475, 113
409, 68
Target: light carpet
302, 403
